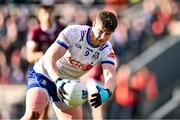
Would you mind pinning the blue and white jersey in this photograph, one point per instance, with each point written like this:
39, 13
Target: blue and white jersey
80, 56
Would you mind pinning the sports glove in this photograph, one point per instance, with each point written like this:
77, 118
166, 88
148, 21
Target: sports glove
99, 98
59, 85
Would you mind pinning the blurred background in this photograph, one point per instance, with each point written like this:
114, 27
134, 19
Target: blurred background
146, 43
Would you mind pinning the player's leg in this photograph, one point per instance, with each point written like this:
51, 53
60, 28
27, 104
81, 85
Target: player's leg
64, 113
36, 101
44, 114
97, 113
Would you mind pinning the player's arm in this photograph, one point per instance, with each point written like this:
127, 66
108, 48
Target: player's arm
31, 54
54, 52
104, 92
109, 72
31, 45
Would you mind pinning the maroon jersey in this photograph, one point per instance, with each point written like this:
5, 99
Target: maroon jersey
43, 39
96, 73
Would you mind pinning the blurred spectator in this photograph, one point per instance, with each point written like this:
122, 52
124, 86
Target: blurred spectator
147, 15
68, 12
162, 18
93, 12
174, 25
82, 18
119, 39
15, 30
129, 91
136, 37
10, 37
41, 37
21, 23
32, 22
111, 8
128, 38
4, 69
17, 75
2, 25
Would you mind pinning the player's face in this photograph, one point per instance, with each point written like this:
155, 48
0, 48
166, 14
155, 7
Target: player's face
101, 34
44, 15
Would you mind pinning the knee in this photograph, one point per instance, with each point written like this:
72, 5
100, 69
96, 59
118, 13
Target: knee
31, 116
35, 115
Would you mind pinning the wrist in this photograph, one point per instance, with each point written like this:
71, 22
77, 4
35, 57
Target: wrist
109, 92
58, 79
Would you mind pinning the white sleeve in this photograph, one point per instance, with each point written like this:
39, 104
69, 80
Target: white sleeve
71, 34
110, 57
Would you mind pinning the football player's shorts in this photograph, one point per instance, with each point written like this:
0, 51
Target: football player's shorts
39, 80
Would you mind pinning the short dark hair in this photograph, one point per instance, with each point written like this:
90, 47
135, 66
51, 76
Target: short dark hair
108, 19
49, 8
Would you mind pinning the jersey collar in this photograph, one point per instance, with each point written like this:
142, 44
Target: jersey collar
88, 39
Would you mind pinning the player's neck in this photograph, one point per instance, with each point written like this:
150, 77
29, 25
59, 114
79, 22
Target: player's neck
46, 26
92, 44
91, 41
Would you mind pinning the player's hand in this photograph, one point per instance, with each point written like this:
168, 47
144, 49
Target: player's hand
99, 98
60, 84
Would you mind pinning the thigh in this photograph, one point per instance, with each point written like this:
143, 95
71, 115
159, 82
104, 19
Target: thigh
36, 99
64, 112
